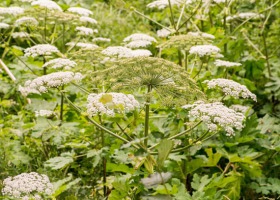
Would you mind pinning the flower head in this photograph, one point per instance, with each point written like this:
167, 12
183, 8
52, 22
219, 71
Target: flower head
222, 63
11, 11
216, 115
204, 50
51, 5
54, 80
4, 25
110, 103
139, 36
82, 45
85, 31
231, 88
163, 33
60, 63
80, 11
27, 186
161, 4
20, 35
88, 20
26, 21
40, 50
101, 39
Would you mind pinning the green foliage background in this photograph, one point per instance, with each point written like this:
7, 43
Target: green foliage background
72, 153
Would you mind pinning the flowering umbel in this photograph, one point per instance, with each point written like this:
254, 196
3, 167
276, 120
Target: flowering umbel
27, 186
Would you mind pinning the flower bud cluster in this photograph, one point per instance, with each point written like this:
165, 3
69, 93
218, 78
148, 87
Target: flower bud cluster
222, 63
231, 88
51, 5
54, 80
216, 115
44, 113
204, 50
110, 103
59, 63
40, 50
80, 11
27, 186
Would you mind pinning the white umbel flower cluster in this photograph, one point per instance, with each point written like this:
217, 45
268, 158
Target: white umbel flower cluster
161, 4
222, 63
84, 46
138, 44
203, 35
51, 5
59, 63
216, 115
219, 1
139, 40
124, 52
155, 179
139, 36
40, 50
44, 113
27, 186
54, 80
231, 88
85, 31
244, 16
88, 20
205, 50
20, 35
4, 25
101, 39
110, 103
11, 11
80, 11
163, 33
26, 21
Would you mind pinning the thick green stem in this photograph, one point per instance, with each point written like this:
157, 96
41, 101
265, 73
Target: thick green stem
147, 115
45, 25
61, 106
104, 161
172, 16
200, 68
180, 58
225, 28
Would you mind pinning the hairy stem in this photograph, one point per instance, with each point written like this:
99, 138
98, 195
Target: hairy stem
61, 106
147, 115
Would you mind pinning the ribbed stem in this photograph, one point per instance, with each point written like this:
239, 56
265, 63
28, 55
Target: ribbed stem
147, 115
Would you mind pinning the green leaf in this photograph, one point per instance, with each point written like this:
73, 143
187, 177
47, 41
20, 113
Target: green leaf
213, 159
164, 148
60, 162
111, 167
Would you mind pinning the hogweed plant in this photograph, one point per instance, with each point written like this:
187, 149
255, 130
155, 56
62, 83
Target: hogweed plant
168, 111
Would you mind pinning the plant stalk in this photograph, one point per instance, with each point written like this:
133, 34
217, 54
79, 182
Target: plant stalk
147, 115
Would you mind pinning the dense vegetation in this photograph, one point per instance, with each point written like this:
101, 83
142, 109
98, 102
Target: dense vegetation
167, 99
